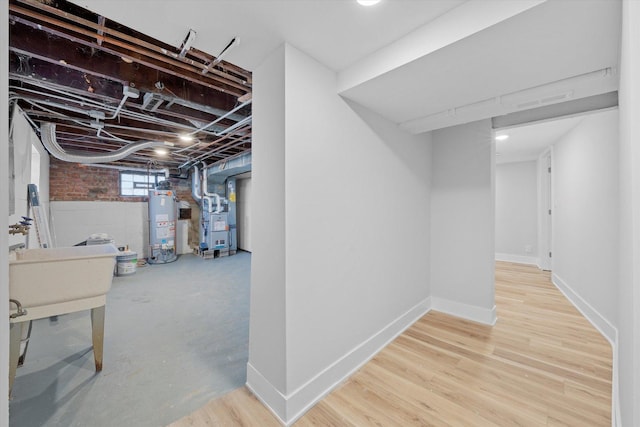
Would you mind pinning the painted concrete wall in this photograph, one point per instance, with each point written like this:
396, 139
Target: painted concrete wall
462, 221
628, 304
516, 212
244, 207
126, 222
356, 195
585, 220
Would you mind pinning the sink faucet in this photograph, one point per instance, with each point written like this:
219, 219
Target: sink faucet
21, 227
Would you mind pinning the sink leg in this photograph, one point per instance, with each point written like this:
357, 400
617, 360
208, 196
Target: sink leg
97, 329
15, 335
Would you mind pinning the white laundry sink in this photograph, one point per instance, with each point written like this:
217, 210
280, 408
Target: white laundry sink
54, 281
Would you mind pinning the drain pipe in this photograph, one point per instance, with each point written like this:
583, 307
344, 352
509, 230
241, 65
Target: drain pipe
48, 137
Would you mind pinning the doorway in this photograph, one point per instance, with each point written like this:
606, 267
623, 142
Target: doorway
524, 190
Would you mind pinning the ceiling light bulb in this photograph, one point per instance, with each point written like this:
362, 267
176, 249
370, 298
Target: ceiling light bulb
161, 151
368, 2
502, 137
186, 138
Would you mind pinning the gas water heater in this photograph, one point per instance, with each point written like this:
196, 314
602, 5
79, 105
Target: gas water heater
162, 224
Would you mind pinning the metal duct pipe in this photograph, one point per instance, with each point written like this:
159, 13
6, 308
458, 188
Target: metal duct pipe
196, 192
205, 191
48, 136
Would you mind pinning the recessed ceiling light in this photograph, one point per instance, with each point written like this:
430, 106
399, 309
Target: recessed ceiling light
502, 137
161, 151
368, 2
186, 138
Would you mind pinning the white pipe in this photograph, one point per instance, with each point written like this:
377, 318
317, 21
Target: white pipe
224, 116
48, 137
127, 92
207, 195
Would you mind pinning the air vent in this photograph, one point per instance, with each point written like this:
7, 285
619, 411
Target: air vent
151, 101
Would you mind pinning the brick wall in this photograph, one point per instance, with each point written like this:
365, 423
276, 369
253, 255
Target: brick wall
73, 182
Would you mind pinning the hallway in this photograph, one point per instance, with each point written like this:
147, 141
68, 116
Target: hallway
542, 363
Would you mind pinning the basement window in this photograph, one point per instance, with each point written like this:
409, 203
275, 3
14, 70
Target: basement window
138, 183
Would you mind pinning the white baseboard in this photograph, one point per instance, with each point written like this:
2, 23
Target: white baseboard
270, 397
591, 314
465, 311
615, 396
519, 259
607, 330
288, 408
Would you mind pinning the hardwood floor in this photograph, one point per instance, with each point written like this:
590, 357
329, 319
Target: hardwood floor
542, 364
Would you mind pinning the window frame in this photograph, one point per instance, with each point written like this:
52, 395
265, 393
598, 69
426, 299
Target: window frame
152, 178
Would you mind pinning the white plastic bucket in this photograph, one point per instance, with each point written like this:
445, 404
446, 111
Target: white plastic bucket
126, 263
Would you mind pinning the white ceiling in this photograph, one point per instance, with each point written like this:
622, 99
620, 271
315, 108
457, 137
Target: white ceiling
335, 32
521, 44
527, 142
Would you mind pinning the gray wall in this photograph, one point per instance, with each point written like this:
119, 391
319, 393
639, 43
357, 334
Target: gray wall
462, 221
355, 246
516, 212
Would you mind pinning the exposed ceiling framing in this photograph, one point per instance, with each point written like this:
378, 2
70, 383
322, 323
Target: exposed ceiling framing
106, 86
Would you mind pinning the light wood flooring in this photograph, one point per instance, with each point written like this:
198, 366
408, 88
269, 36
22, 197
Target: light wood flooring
542, 364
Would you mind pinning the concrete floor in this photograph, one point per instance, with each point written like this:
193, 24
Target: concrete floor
176, 336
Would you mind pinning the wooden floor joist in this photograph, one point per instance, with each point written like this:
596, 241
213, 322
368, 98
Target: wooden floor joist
542, 364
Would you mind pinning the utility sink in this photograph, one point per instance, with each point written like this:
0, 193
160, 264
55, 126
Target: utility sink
53, 281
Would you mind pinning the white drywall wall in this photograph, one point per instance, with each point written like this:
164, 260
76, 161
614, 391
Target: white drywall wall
4, 210
24, 141
356, 201
585, 212
244, 214
462, 221
126, 222
628, 303
266, 372
516, 211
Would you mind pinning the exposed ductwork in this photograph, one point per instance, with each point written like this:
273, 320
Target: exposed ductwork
229, 167
196, 191
48, 137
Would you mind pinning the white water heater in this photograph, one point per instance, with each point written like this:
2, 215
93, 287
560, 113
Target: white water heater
162, 226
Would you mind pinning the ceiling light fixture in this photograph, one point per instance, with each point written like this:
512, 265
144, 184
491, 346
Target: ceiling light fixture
368, 2
186, 138
161, 151
502, 137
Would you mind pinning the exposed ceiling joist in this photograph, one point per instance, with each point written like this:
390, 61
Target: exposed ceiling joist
72, 67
